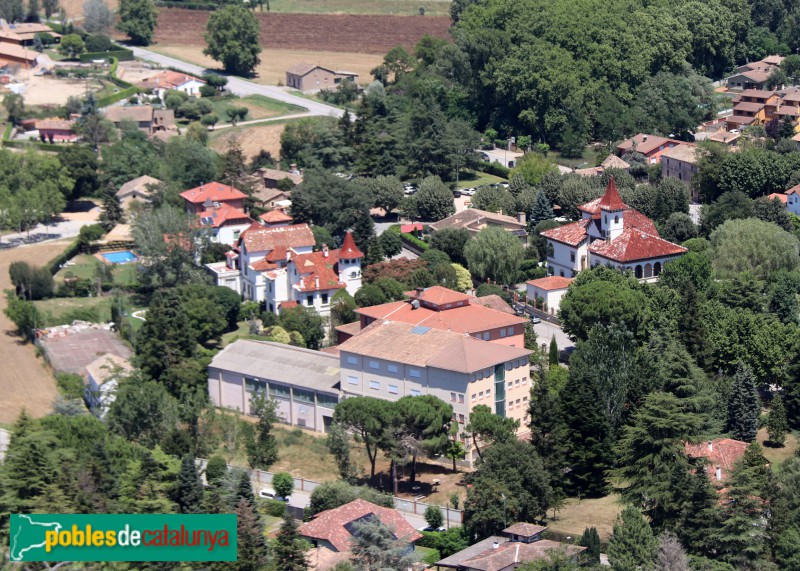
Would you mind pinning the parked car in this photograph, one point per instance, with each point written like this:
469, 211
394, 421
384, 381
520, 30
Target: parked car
535, 319
269, 494
456, 194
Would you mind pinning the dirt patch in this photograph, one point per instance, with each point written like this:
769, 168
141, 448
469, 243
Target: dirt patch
274, 63
134, 71
24, 380
313, 32
48, 90
252, 139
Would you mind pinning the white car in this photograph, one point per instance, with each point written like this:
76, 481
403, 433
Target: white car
269, 494
468, 191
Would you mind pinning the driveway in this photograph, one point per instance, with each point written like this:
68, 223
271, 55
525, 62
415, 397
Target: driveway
68, 226
545, 332
239, 86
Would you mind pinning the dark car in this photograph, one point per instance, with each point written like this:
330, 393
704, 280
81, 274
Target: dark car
456, 194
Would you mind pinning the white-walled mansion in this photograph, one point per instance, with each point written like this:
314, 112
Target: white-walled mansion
609, 233
275, 263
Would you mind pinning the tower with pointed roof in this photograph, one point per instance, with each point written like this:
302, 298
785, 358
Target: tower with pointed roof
350, 264
612, 212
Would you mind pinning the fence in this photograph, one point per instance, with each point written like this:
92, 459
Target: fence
451, 516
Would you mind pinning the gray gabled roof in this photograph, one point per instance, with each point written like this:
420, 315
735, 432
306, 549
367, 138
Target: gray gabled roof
264, 360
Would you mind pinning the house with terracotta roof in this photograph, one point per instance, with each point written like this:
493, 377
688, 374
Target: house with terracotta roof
651, 146
309, 77
12, 54
276, 264
168, 80
519, 544
331, 532
753, 75
391, 359
474, 220
24, 33
610, 162
56, 129
220, 209
609, 233
138, 189
720, 456
198, 199
276, 218
549, 290
442, 308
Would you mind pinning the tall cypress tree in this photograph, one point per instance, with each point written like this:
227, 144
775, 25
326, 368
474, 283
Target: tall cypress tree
700, 513
632, 546
165, 338
288, 551
591, 541
548, 431
553, 356
777, 427
541, 208
743, 405
251, 544
189, 489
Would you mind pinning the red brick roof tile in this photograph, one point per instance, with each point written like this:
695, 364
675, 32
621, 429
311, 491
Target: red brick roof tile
611, 199
633, 245
224, 214
722, 453
571, 234
349, 250
551, 283
214, 191
258, 238
276, 217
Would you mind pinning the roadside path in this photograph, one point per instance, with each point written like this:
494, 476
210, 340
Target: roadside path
242, 87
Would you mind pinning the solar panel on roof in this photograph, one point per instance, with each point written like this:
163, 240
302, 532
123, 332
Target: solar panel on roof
420, 330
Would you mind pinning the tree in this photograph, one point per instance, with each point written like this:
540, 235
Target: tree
97, 17
15, 107
455, 451
24, 315
50, 7
338, 443
452, 242
306, 322
541, 209
433, 201
216, 470
553, 353
189, 489
137, 19
387, 192
262, 448
671, 556
251, 545
753, 245
591, 541
743, 405
165, 339
332, 495
532, 167
434, 517
777, 426
495, 253
679, 227
289, 549
489, 428
112, 211
283, 484
232, 39
632, 545
143, 411
772, 211
364, 416
374, 547
370, 295
651, 457
343, 307
494, 199
71, 46
81, 165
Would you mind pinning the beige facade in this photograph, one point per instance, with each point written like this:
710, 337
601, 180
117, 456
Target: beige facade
680, 162
307, 77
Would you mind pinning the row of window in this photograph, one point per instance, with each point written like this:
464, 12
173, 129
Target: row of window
376, 386
256, 386
375, 365
457, 397
459, 418
518, 403
310, 299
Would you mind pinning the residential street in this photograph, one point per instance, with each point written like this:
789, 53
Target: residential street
242, 87
545, 332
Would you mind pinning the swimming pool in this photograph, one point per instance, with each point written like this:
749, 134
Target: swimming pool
122, 257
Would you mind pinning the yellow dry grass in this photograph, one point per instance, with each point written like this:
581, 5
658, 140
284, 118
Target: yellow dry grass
577, 515
274, 63
252, 139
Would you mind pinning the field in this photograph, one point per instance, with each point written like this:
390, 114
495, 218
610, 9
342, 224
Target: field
85, 266
25, 383
252, 138
577, 515
313, 32
48, 90
259, 107
274, 62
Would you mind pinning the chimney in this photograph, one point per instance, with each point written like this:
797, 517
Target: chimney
288, 255
644, 138
710, 446
523, 219
316, 282
718, 473
420, 290
496, 545
324, 250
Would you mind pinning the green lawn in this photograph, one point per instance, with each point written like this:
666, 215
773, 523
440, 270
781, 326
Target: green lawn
85, 267
476, 179
380, 7
64, 310
259, 107
589, 156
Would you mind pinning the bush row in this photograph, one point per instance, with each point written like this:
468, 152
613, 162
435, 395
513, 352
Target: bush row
210, 6
119, 96
69, 252
496, 169
414, 242
37, 145
120, 55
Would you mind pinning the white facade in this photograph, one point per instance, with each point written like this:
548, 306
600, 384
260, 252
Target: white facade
191, 88
229, 233
100, 397
551, 297
646, 271
566, 261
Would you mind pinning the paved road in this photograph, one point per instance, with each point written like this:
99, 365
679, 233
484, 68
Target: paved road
42, 233
241, 87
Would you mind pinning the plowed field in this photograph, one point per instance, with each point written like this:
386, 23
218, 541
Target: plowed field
314, 32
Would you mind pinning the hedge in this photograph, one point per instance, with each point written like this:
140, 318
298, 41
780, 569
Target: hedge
495, 168
275, 508
35, 145
70, 252
121, 55
119, 96
414, 242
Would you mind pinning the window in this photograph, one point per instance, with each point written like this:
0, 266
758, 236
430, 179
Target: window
353, 274
279, 391
524, 381
328, 401
474, 396
352, 360
510, 384
452, 397
352, 380
510, 331
486, 336
461, 399
392, 368
516, 382
309, 300
236, 234
461, 419
374, 364
481, 394
415, 392
374, 385
303, 396
517, 402
524, 399
572, 254
551, 253
393, 389
414, 373
502, 332
616, 219
254, 385
324, 299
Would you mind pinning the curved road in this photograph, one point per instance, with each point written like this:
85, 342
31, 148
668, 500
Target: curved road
241, 87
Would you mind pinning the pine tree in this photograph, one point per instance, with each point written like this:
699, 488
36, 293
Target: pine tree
251, 544
547, 432
288, 550
700, 513
244, 490
112, 212
165, 338
541, 209
189, 489
777, 427
262, 448
692, 328
651, 459
517, 185
375, 547
553, 357
591, 541
671, 556
632, 546
743, 405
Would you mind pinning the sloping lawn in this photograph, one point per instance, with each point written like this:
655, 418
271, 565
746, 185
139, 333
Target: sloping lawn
259, 107
62, 310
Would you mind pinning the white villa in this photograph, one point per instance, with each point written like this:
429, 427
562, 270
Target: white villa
609, 233
276, 264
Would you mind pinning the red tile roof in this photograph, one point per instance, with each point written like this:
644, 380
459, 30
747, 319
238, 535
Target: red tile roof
748, 107
439, 296
408, 228
778, 196
644, 144
55, 124
511, 553
611, 199
722, 453
330, 524
214, 191
317, 271
794, 190
757, 93
571, 234
224, 214
349, 250
258, 238
551, 283
168, 79
493, 301
276, 217
633, 245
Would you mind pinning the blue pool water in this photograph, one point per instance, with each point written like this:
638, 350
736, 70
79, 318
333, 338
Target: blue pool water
124, 257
